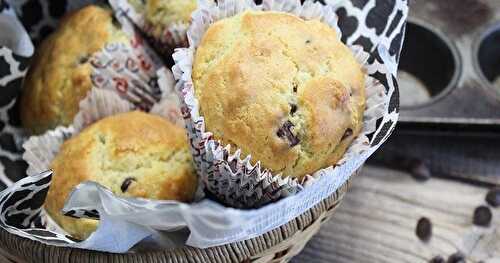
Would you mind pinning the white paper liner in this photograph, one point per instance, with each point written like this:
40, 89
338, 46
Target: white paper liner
124, 222
172, 36
238, 180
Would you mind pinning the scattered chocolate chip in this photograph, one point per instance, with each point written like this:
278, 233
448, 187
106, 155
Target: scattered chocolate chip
493, 197
308, 41
286, 132
482, 216
419, 170
127, 183
457, 257
293, 109
424, 229
347, 133
437, 259
295, 86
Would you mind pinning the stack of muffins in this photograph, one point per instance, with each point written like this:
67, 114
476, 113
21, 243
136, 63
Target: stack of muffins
284, 90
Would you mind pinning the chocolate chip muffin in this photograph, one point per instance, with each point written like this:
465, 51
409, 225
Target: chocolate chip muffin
133, 154
284, 90
159, 15
59, 76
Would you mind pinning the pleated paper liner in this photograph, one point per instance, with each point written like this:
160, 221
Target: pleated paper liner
238, 180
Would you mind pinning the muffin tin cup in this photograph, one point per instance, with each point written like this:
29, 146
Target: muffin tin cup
429, 65
487, 63
172, 37
242, 182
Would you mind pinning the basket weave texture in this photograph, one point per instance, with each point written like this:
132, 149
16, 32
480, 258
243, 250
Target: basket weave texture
276, 246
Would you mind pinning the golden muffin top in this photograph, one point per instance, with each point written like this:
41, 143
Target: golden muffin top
160, 14
59, 76
133, 154
284, 90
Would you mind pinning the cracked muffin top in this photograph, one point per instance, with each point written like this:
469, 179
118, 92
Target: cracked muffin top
133, 154
59, 76
284, 90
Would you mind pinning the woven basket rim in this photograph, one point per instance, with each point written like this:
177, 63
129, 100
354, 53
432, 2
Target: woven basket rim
17, 247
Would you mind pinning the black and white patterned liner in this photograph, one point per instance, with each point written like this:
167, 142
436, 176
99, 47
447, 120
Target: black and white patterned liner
15, 48
13, 35
124, 222
237, 180
41, 17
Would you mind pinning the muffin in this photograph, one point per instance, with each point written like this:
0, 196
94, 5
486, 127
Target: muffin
59, 76
133, 154
161, 14
165, 22
284, 90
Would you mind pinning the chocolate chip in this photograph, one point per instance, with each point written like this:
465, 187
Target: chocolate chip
308, 41
482, 216
424, 229
115, 22
293, 109
347, 133
419, 170
286, 132
457, 257
437, 259
295, 86
493, 197
84, 59
127, 183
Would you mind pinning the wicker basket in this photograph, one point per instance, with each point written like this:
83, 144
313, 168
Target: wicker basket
276, 246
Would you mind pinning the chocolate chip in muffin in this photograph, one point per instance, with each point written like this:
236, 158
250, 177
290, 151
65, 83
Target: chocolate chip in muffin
83, 59
424, 229
437, 259
115, 22
308, 41
293, 109
493, 197
482, 216
348, 132
286, 132
127, 183
295, 86
457, 257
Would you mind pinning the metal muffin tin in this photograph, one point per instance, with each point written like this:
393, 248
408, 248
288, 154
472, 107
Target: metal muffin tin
452, 52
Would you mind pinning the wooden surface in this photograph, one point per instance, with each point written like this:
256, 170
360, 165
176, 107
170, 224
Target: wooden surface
376, 222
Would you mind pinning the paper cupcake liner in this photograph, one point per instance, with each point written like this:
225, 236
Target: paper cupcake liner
172, 37
238, 180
